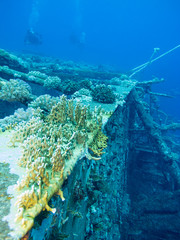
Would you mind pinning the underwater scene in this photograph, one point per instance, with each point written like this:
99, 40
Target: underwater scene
89, 120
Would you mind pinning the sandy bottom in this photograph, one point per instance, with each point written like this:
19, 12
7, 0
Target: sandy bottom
9, 174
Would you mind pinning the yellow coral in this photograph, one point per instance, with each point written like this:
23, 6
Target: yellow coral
51, 148
98, 144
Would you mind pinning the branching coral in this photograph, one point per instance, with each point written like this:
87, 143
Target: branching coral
18, 116
51, 146
98, 144
44, 102
36, 76
16, 90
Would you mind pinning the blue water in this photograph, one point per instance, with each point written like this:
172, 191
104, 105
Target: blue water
120, 33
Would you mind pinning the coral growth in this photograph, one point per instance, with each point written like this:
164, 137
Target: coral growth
44, 102
51, 146
7, 59
16, 90
18, 116
36, 76
82, 92
104, 94
69, 87
52, 82
98, 144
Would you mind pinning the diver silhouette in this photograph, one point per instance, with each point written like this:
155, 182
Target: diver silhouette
32, 38
78, 36
78, 40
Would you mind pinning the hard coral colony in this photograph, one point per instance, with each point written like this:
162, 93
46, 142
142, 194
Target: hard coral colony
51, 146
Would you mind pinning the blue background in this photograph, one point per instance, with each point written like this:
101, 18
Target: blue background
119, 33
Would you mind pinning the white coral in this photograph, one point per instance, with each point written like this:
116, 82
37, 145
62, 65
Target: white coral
15, 90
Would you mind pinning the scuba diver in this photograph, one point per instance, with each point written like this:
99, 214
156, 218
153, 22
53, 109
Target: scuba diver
78, 36
78, 40
32, 38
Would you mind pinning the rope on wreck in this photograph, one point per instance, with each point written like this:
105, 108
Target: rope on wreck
141, 67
